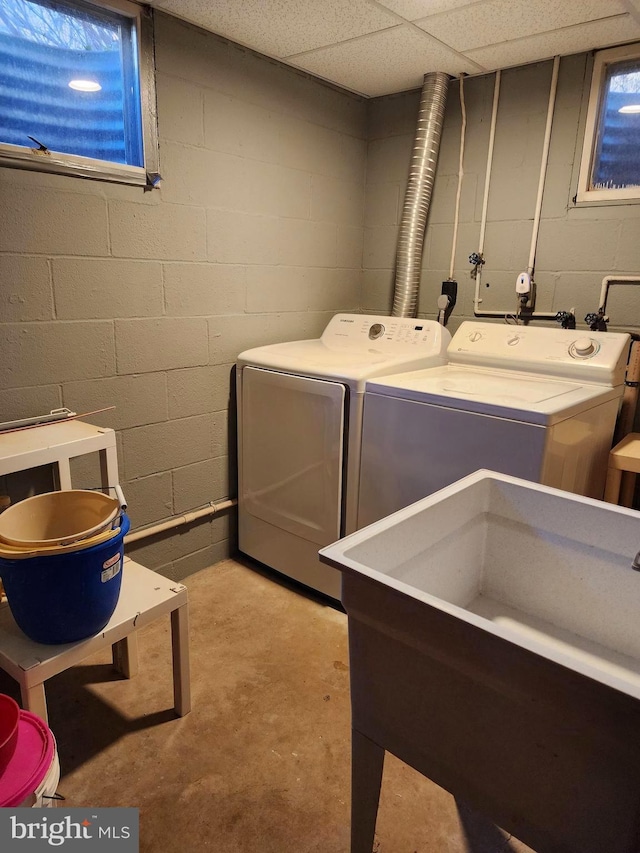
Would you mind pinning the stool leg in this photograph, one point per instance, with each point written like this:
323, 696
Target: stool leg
627, 489
612, 486
109, 468
367, 761
62, 474
34, 700
125, 655
180, 654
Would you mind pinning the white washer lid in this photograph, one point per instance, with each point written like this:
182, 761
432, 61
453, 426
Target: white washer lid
497, 389
501, 393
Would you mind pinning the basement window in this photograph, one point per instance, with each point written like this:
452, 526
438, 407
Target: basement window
77, 90
610, 166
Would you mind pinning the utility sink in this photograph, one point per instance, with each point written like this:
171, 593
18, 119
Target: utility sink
495, 646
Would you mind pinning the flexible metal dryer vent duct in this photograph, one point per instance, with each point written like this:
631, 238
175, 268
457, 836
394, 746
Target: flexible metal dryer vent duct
417, 199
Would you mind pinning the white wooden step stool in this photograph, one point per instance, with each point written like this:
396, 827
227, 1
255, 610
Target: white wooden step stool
145, 596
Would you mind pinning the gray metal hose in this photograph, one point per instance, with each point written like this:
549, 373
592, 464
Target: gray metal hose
422, 173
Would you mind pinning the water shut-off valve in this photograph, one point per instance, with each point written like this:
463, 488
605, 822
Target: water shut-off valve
476, 260
567, 319
597, 321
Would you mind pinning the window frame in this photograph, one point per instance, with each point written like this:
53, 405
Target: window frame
585, 193
33, 159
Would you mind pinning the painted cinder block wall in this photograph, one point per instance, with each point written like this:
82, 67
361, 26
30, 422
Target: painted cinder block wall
112, 296
109, 296
577, 246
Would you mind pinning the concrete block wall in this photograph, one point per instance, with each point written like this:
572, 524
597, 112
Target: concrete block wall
577, 246
279, 207
112, 296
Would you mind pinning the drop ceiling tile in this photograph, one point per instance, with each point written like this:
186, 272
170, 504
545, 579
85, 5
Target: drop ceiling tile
411, 10
497, 21
595, 34
381, 63
282, 27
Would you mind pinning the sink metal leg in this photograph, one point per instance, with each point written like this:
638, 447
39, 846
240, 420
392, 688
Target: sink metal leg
367, 761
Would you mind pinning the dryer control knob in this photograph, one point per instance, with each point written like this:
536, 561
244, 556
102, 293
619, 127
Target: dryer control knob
584, 346
376, 331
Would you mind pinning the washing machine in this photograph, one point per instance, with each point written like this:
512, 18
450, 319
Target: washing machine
537, 403
299, 429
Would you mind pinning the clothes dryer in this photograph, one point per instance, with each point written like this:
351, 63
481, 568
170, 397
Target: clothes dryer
537, 403
299, 429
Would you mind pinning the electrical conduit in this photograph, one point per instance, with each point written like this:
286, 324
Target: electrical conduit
538, 208
543, 167
485, 202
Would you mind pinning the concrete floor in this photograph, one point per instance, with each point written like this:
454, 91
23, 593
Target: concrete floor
262, 764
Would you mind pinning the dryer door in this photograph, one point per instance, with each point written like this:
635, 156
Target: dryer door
292, 435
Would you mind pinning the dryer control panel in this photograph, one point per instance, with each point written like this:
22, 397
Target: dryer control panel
386, 335
587, 356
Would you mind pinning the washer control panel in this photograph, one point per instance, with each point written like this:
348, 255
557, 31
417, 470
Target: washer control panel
590, 356
386, 335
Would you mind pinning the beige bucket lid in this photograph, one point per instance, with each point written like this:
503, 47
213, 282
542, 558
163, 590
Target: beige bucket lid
57, 518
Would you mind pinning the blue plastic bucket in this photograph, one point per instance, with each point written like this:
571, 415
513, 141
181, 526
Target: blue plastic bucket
63, 598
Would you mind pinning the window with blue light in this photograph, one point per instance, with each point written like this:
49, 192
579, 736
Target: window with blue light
610, 166
70, 86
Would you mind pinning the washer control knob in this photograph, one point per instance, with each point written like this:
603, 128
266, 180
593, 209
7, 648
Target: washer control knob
376, 331
475, 336
584, 346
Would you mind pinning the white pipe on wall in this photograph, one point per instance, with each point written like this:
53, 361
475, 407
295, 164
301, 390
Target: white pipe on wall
487, 176
607, 281
456, 217
485, 202
543, 166
540, 315
179, 520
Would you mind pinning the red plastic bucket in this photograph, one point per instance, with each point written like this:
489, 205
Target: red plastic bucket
9, 723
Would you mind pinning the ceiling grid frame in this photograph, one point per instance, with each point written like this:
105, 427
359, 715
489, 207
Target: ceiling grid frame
380, 47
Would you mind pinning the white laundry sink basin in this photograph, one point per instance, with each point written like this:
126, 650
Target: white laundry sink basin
495, 646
